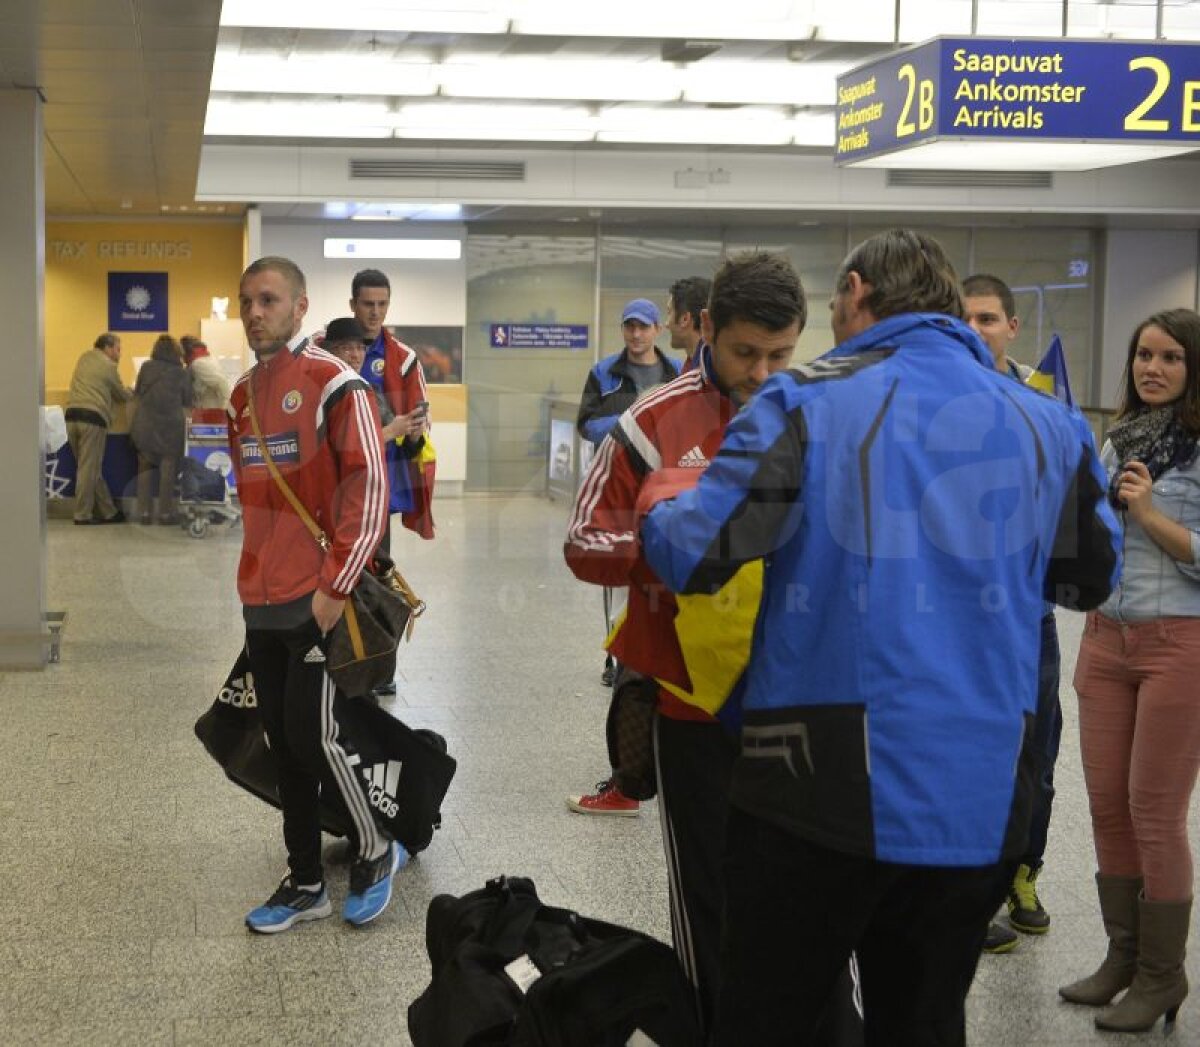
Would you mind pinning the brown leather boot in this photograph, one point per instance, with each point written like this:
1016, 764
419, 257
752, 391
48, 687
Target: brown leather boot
1119, 908
1160, 985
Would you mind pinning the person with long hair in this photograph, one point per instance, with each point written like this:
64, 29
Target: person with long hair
162, 392
1139, 717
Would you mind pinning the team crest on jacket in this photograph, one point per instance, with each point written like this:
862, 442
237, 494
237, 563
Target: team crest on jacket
377, 367
292, 401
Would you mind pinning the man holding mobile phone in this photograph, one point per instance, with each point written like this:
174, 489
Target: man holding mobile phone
394, 370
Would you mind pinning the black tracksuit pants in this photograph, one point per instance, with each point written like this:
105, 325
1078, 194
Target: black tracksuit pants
794, 912
694, 760
295, 701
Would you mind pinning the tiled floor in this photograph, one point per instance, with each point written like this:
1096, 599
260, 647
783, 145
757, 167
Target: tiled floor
128, 861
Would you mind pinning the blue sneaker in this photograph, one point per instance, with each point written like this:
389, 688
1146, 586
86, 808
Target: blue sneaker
287, 906
371, 885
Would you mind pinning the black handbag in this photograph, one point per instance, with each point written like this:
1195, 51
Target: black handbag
403, 773
381, 609
509, 970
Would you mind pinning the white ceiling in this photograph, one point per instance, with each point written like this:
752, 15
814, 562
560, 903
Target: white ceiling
127, 82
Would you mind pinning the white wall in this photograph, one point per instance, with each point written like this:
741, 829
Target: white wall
423, 292
1145, 270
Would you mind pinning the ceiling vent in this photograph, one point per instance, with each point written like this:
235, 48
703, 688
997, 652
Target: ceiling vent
459, 170
906, 179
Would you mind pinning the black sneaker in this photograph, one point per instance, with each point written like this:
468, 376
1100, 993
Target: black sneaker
609, 673
288, 906
999, 939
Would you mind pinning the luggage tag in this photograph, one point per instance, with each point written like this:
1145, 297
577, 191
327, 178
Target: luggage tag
522, 972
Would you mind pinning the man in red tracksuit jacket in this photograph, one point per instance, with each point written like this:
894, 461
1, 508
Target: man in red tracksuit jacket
395, 369
754, 318
321, 427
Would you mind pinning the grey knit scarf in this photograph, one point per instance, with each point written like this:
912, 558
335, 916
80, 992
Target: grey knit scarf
1153, 436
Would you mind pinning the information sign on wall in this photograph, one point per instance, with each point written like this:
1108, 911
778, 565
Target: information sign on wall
1020, 90
137, 301
538, 336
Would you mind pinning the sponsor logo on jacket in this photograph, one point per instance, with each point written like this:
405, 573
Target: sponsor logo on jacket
284, 447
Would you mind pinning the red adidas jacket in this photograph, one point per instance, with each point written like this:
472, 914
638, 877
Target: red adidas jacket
678, 426
322, 427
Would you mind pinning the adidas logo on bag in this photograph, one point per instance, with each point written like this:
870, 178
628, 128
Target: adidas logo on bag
694, 459
383, 779
239, 693
314, 657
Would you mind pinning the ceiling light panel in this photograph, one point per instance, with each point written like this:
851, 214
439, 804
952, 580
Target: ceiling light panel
535, 123
617, 81
297, 119
650, 125
338, 73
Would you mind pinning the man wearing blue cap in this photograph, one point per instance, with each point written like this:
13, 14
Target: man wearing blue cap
612, 387
618, 380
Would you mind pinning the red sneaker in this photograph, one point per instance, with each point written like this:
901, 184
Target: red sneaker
607, 799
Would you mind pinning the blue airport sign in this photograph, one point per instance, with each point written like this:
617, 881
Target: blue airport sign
538, 336
1020, 90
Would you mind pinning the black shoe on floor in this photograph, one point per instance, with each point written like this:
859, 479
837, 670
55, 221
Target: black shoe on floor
386, 690
999, 939
118, 518
608, 675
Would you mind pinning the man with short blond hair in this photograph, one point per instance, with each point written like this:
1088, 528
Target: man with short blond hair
317, 421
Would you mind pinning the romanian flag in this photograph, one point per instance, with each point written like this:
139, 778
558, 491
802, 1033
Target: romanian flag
1050, 375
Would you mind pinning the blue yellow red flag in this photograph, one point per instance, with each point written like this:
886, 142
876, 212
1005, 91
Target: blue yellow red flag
1050, 375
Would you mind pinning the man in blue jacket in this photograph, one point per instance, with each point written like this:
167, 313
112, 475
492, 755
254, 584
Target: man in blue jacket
617, 381
913, 506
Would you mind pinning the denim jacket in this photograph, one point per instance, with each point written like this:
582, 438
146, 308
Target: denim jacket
1153, 584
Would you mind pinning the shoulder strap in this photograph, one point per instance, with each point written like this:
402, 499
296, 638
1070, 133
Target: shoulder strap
318, 535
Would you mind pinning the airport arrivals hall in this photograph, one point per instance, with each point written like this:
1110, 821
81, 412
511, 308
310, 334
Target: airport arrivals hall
655, 523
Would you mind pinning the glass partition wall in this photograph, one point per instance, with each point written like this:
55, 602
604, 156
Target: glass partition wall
569, 286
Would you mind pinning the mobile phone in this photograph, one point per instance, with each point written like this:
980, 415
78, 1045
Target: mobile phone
422, 407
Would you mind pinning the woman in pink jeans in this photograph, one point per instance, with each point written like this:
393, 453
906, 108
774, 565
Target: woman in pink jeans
1138, 680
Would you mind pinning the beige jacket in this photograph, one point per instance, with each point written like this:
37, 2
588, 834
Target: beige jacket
97, 385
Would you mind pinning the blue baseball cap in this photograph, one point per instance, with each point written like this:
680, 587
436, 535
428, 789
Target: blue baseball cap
641, 309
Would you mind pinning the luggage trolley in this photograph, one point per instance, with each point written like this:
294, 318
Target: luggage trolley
206, 484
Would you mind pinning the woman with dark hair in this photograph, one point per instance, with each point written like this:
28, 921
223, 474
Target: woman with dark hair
162, 392
1139, 709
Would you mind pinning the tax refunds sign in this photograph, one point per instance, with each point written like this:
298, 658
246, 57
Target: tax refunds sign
995, 104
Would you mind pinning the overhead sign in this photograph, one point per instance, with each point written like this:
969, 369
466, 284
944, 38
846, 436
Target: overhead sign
538, 336
137, 301
1029, 90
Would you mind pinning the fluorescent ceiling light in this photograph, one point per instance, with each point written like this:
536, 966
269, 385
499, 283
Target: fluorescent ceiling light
744, 126
541, 123
617, 81
430, 250
392, 16
813, 129
973, 154
295, 119
320, 74
671, 19
750, 20
764, 83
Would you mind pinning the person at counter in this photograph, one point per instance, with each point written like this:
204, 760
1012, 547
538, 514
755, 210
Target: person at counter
95, 387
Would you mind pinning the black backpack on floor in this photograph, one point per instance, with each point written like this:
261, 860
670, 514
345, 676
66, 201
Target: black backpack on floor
508, 970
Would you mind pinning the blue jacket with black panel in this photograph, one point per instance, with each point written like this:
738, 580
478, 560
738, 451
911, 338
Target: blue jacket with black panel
610, 391
914, 508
